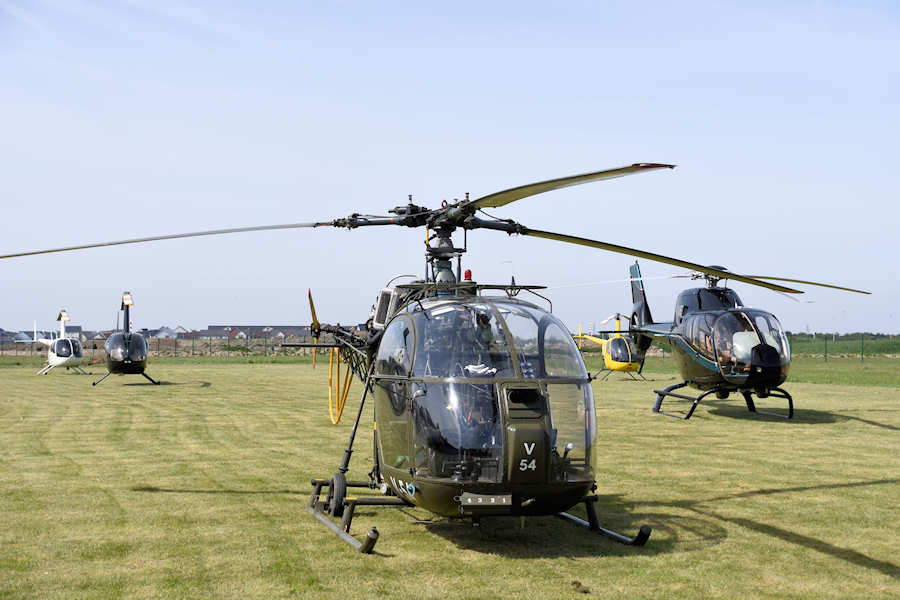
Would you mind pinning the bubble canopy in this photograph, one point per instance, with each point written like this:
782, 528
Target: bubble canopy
479, 338
447, 371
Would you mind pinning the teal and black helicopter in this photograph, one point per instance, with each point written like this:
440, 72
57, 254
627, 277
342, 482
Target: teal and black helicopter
720, 345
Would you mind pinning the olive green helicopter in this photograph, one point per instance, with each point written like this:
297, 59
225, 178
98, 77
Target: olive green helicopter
482, 403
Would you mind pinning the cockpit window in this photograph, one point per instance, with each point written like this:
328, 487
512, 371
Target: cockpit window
542, 345
461, 340
395, 352
561, 356
76, 348
737, 333
63, 349
456, 431
771, 331
524, 330
619, 350
137, 348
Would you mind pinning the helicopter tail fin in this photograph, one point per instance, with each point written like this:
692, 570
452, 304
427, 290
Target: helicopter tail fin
640, 311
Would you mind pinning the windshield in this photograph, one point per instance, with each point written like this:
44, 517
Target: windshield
461, 340
737, 333
543, 346
63, 349
456, 431
619, 350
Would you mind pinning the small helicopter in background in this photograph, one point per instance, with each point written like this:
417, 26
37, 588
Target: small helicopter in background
62, 351
721, 346
620, 355
482, 403
126, 351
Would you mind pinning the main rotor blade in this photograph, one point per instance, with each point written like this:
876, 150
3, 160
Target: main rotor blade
171, 237
523, 191
571, 239
828, 285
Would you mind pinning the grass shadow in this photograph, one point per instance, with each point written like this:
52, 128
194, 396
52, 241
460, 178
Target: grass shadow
549, 537
852, 556
803, 416
154, 489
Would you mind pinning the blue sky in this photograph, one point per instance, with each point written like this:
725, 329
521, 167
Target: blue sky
125, 119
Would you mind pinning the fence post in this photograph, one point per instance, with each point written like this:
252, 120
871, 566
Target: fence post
193, 337
266, 344
824, 337
861, 352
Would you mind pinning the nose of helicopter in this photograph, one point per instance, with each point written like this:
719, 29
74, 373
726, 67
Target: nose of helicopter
767, 367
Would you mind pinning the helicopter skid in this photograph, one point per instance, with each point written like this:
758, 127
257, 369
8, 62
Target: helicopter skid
45, 369
748, 398
320, 510
593, 523
773, 393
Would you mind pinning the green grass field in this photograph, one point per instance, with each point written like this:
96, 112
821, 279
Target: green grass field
198, 487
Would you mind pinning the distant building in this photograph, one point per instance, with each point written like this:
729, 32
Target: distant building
253, 331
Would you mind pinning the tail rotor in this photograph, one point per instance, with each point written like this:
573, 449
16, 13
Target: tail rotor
315, 329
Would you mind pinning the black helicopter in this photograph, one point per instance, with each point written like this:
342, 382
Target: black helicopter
126, 351
483, 405
721, 346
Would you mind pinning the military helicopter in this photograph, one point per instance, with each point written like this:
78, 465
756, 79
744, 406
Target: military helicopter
62, 351
126, 351
619, 352
721, 346
483, 406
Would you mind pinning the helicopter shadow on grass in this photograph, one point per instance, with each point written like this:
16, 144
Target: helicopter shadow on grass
550, 537
160, 490
802, 416
203, 384
846, 554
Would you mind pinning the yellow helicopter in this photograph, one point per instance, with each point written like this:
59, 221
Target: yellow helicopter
620, 355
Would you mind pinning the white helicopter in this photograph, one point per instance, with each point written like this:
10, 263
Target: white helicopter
62, 351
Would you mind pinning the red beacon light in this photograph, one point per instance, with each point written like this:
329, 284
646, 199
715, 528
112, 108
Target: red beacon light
468, 275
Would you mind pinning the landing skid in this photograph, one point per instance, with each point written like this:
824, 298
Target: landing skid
629, 373
345, 507
593, 523
45, 369
748, 398
153, 381
79, 370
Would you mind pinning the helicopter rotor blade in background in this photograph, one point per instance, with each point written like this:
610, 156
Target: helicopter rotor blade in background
571, 239
523, 191
608, 281
173, 236
828, 285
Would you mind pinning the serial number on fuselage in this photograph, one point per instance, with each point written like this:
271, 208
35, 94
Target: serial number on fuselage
469, 499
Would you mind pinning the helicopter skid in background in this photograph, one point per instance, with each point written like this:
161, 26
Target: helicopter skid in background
629, 373
321, 510
108, 373
748, 398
